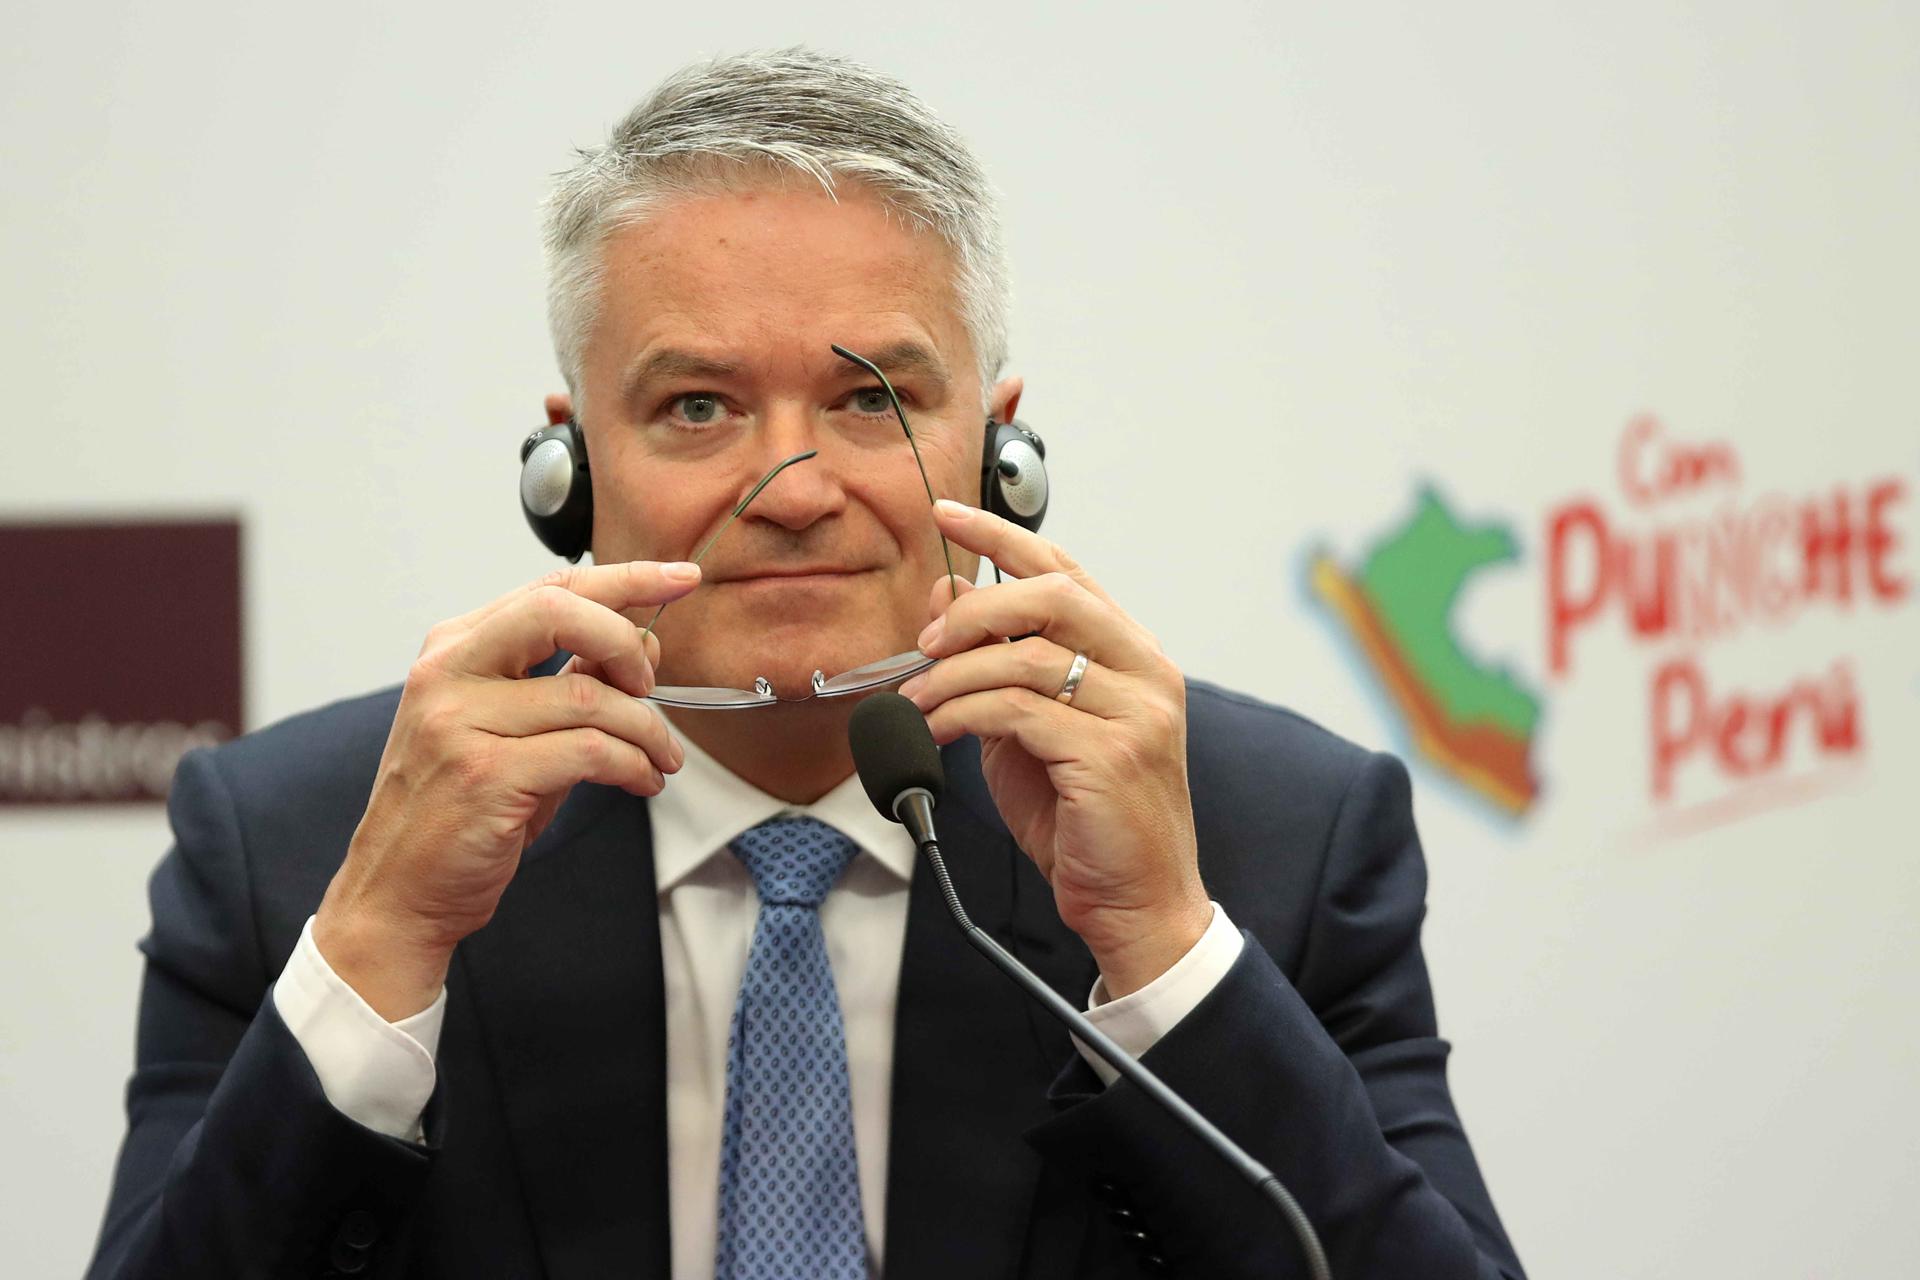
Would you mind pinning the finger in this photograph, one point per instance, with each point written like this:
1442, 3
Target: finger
651, 648
945, 591
572, 700
1052, 605
533, 626
550, 762
1036, 664
624, 584
598, 672
1020, 552
1047, 731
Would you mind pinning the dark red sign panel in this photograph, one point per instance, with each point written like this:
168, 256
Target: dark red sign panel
121, 652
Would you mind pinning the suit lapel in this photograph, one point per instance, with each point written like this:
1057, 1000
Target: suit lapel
567, 982
972, 1058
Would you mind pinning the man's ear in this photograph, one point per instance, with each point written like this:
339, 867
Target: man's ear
1005, 400
559, 407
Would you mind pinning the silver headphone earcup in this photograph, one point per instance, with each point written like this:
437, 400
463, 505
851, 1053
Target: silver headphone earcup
546, 478
1025, 491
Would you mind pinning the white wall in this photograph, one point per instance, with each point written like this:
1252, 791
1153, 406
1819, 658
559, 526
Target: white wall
1273, 262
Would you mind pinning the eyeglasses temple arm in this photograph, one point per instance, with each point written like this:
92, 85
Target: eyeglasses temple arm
953, 582
707, 546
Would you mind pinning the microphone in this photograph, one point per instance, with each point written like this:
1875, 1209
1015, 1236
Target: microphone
898, 764
900, 768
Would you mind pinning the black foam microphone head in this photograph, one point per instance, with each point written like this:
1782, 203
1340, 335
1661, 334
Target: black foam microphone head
893, 750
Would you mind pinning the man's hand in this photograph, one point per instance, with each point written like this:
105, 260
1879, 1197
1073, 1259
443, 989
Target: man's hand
478, 760
1095, 791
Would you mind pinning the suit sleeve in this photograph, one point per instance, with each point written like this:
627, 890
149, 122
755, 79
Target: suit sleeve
234, 1163
1336, 1081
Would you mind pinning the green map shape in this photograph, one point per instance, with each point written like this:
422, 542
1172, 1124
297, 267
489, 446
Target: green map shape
1412, 577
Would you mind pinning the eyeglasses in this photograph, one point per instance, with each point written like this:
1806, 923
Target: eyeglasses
873, 675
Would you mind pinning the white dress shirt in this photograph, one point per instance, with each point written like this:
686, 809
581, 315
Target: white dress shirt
381, 1074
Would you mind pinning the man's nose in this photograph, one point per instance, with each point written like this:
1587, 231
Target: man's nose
807, 491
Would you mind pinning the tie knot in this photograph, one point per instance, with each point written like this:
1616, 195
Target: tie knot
794, 861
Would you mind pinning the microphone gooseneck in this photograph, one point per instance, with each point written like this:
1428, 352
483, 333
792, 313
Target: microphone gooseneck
900, 768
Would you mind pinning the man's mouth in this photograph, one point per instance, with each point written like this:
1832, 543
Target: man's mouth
792, 573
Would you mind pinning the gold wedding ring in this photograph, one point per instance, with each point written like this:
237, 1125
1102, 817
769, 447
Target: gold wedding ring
1074, 672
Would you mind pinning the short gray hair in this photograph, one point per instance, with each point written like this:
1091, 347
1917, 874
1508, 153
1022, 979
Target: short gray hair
732, 121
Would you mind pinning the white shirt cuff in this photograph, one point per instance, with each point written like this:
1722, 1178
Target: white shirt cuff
375, 1072
1136, 1021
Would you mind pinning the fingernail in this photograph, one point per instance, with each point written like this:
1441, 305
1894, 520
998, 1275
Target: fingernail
953, 510
681, 570
913, 686
931, 634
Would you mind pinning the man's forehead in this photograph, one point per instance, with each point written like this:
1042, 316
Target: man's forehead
730, 278
779, 240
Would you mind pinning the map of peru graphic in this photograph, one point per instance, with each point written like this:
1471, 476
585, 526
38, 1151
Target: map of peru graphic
1474, 721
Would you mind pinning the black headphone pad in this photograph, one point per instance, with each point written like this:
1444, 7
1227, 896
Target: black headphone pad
556, 489
1013, 474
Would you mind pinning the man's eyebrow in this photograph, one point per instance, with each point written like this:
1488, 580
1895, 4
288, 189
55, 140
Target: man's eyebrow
671, 363
906, 357
896, 359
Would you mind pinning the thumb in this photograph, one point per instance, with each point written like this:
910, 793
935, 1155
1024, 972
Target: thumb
542, 815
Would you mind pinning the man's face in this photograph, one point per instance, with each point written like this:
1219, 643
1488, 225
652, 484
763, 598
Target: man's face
709, 363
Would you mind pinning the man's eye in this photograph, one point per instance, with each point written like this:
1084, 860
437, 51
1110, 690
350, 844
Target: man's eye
871, 400
698, 407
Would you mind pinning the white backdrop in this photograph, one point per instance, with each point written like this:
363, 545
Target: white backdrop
1274, 265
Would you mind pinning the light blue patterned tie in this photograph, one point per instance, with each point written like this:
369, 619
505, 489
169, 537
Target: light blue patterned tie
789, 1180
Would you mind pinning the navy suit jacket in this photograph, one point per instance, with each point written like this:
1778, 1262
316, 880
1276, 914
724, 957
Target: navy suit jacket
546, 1141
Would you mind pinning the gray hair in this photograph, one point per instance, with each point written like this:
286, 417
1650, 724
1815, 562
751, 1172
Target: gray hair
736, 120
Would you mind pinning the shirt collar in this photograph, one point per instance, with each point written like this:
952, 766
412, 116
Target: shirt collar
705, 805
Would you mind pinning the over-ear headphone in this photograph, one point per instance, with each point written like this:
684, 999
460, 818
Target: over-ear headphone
1013, 474
556, 489
556, 493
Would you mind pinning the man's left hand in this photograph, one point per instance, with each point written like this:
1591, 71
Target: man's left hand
1095, 790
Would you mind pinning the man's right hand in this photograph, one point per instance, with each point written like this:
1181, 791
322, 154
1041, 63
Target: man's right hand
478, 760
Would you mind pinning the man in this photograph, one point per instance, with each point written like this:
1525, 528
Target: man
506, 973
